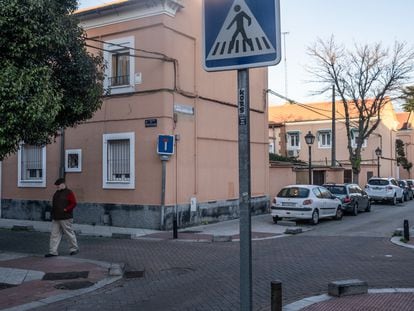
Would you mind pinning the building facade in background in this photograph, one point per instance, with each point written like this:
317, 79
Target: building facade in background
289, 123
157, 86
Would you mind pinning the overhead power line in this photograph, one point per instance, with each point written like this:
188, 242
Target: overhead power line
313, 109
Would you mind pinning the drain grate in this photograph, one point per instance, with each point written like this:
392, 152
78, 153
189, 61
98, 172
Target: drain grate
191, 231
66, 275
74, 285
5, 285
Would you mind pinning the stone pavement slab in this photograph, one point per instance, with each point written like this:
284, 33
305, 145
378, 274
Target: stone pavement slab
30, 289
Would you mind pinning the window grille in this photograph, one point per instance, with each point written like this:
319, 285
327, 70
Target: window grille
118, 160
31, 163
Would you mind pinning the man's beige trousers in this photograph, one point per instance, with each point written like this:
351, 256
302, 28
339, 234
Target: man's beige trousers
60, 227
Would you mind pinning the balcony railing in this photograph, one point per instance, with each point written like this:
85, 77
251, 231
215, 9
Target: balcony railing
119, 80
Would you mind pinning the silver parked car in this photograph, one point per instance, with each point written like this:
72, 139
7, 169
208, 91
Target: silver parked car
305, 202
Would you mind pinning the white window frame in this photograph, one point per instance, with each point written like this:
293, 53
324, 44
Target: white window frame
288, 140
320, 140
109, 49
41, 183
355, 134
272, 148
118, 184
72, 169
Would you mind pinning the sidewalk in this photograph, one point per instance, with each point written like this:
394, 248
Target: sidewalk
30, 281
262, 228
388, 299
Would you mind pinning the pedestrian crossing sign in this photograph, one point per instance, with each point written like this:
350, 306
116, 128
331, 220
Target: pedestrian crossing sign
240, 34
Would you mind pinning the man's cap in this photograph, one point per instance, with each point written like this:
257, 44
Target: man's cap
59, 181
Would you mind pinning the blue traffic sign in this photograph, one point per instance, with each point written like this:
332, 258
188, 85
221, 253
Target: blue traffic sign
241, 34
165, 144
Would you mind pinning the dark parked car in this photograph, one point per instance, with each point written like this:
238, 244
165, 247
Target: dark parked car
353, 198
408, 192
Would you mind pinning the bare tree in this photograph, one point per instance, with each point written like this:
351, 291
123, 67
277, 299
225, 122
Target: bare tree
365, 79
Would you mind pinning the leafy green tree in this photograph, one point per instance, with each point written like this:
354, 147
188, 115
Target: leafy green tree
48, 80
401, 158
408, 96
365, 79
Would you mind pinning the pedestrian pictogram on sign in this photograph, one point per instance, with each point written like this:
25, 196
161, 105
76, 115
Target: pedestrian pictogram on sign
246, 35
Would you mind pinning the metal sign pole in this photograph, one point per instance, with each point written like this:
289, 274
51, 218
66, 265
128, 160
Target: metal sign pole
244, 191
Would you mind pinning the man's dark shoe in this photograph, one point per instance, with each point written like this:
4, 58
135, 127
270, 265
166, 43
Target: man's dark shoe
50, 255
74, 252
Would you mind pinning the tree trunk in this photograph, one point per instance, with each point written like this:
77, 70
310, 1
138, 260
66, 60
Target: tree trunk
355, 177
356, 168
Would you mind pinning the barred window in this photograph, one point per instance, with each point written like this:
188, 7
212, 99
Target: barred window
118, 161
32, 166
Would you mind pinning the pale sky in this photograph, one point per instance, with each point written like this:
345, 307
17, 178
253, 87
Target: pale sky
350, 21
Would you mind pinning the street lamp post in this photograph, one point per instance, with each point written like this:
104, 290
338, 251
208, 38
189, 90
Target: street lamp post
310, 138
378, 152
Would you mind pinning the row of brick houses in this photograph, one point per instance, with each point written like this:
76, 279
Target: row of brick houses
158, 86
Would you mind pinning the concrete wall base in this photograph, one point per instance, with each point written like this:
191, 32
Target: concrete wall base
135, 216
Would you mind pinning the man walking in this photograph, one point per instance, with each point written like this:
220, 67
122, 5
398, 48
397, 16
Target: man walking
64, 202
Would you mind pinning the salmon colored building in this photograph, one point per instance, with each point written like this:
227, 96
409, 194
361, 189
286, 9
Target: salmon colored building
157, 86
289, 123
406, 135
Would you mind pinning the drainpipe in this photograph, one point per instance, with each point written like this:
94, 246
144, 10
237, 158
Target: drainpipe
62, 154
333, 144
0, 188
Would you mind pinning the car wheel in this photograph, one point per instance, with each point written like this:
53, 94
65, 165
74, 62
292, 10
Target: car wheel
275, 219
355, 209
339, 213
315, 217
368, 208
402, 199
394, 200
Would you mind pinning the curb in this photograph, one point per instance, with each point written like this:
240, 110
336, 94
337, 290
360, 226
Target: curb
396, 241
306, 302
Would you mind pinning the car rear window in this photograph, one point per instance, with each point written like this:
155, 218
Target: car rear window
336, 189
378, 182
293, 192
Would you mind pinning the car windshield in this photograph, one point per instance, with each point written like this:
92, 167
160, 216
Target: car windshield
336, 189
378, 182
293, 192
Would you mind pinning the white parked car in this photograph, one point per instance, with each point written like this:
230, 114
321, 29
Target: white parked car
384, 189
305, 202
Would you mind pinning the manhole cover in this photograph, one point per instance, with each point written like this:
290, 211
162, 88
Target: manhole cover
177, 270
5, 285
66, 275
74, 285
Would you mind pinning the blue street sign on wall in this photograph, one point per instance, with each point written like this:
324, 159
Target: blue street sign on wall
241, 34
165, 144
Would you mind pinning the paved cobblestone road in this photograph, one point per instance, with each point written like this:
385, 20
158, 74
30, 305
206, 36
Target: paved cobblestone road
205, 276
